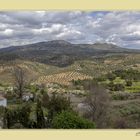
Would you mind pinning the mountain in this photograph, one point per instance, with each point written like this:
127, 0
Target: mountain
59, 52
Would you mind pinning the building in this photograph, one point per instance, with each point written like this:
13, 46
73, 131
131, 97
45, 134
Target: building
3, 101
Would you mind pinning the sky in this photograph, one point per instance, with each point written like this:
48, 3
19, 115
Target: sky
23, 27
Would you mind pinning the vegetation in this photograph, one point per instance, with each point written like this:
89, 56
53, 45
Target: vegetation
70, 120
19, 78
97, 102
70, 91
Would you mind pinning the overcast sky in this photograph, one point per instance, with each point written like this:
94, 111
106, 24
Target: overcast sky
23, 27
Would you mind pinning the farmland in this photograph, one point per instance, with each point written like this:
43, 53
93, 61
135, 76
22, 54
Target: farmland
68, 86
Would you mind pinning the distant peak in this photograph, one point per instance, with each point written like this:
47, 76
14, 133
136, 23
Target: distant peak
59, 42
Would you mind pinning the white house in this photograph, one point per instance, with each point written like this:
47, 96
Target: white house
3, 101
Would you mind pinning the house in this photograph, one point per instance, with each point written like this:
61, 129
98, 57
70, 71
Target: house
3, 101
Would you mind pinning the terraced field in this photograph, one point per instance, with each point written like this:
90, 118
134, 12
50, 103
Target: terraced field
62, 78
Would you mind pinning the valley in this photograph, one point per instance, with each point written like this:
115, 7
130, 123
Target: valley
73, 71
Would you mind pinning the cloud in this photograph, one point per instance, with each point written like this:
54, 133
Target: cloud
23, 27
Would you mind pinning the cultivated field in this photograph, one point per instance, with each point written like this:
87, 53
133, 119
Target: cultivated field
62, 78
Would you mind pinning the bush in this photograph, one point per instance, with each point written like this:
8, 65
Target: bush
17, 126
116, 87
129, 74
120, 123
76, 82
101, 78
120, 96
17, 115
56, 105
70, 120
40, 115
128, 83
119, 87
111, 76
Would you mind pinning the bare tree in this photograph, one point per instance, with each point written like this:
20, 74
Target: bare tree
19, 79
97, 104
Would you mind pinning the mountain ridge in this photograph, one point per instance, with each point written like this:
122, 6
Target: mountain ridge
60, 52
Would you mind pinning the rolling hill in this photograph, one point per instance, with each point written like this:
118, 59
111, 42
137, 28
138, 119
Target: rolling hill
55, 61
59, 52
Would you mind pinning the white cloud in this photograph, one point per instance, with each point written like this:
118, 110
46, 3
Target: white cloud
69, 34
8, 32
20, 27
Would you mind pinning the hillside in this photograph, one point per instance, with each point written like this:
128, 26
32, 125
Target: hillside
85, 68
67, 69
59, 52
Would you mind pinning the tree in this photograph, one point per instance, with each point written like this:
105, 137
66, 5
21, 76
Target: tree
129, 83
24, 114
10, 117
70, 120
19, 79
17, 115
45, 99
56, 105
111, 76
40, 115
119, 87
97, 102
116, 87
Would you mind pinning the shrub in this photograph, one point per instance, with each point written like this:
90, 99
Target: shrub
119, 87
116, 87
120, 96
111, 76
17, 126
17, 115
56, 105
69, 120
128, 83
40, 115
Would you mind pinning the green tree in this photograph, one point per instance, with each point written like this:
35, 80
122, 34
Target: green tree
70, 120
40, 115
10, 117
56, 105
129, 83
24, 114
111, 76
45, 99
17, 115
